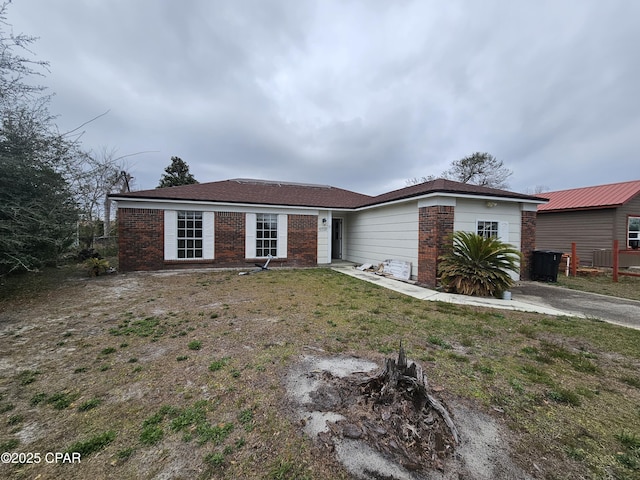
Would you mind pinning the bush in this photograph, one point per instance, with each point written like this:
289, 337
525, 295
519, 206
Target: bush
476, 265
96, 266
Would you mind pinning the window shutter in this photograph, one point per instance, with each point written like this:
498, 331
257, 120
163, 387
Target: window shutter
170, 234
208, 235
250, 236
503, 232
282, 236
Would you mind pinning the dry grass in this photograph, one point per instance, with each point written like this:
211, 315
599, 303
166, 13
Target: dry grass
626, 287
180, 375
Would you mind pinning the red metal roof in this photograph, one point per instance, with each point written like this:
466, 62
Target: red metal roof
306, 195
588, 198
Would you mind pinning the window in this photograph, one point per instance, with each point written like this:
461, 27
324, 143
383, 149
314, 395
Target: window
488, 229
633, 232
189, 234
266, 234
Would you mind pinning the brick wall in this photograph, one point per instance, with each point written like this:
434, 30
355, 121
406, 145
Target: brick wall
435, 224
140, 239
229, 242
302, 240
527, 243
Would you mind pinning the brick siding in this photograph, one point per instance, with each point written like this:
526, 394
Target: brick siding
527, 243
435, 224
140, 239
302, 240
229, 242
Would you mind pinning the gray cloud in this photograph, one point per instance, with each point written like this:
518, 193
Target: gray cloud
361, 95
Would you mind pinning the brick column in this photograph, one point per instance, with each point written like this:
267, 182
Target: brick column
435, 224
140, 239
527, 242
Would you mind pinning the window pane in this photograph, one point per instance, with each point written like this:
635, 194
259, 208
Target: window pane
189, 234
266, 234
634, 232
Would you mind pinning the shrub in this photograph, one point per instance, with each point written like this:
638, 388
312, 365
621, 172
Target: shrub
476, 265
96, 266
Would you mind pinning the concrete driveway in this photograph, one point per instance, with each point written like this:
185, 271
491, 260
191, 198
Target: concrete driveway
593, 305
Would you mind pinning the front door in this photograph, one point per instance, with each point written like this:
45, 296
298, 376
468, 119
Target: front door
336, 238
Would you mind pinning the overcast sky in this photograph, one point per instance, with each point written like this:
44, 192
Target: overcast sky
357, 94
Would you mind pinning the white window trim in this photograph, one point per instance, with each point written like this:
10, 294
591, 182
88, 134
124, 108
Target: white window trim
283, 220
250, 235
171, 236
630, 232
503, 228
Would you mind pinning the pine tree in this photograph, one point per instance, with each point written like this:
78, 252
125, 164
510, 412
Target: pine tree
176, 174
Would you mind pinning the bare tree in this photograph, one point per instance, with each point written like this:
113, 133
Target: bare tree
95, 176
479, 168
15, 67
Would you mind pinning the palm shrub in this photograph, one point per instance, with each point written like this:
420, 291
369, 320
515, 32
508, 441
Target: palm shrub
476, 265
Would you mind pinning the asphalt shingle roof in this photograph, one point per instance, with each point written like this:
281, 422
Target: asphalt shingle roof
588, 198
263, 192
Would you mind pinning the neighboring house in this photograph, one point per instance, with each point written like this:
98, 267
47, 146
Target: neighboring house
592, 217
240, 222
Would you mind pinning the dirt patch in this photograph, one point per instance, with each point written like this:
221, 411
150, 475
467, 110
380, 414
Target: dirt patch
328, 400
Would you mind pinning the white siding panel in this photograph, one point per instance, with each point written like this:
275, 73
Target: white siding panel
384, 233
170, 235
503, 232
208, 235
507, 214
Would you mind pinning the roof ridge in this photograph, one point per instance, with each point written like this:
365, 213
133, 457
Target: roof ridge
277, 182
593, 186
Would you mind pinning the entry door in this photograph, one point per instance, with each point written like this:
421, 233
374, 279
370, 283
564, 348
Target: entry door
336, 238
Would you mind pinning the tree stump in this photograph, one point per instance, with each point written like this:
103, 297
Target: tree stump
393, 412
409, 381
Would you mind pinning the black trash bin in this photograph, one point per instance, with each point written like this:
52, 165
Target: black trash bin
544, 266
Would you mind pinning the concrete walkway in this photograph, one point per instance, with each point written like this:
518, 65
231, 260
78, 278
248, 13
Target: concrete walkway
433, 295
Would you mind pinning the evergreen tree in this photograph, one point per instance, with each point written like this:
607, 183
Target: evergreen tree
38, 214
176, 174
